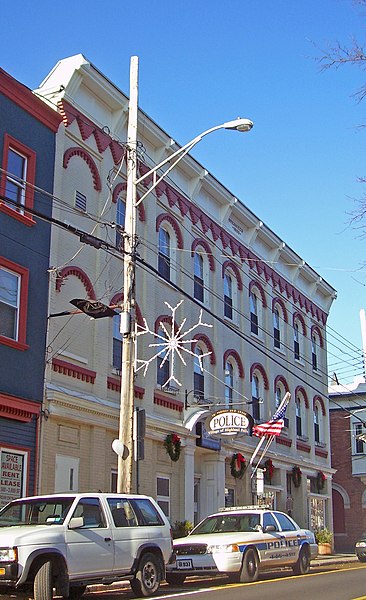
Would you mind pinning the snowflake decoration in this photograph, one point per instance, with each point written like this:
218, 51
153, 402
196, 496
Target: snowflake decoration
172, 345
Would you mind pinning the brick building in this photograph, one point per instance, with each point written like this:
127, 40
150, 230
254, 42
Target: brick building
347, 423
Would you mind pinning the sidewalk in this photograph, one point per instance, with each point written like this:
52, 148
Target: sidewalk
333, 559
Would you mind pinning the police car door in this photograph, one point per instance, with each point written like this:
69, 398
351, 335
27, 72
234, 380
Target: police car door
274, 542
291, 536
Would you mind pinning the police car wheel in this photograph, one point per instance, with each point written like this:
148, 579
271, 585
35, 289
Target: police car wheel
249, 569
302, 566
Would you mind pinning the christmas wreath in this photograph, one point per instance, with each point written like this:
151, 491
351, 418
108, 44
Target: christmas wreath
238, 464
320, 480
296, 476
172, 444
268, 474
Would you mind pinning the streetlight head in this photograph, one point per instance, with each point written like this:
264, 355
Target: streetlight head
239, 124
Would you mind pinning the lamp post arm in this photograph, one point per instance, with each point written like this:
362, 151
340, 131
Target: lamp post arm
178, 155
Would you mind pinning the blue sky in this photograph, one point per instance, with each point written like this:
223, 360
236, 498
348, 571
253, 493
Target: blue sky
205, 62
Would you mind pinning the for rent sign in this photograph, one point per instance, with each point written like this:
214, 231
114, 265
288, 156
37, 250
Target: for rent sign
11, 475
229, 422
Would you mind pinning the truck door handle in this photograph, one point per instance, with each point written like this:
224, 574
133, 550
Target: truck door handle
108, 539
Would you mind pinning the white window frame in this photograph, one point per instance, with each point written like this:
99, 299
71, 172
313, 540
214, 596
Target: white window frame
19, 183
16, 305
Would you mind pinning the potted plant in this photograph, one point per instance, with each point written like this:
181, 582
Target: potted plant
324, 539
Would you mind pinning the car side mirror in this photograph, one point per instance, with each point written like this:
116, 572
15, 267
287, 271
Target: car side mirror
269, 528
76, 522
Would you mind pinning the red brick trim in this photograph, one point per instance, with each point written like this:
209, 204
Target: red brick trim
258, 367
255, 284
71, 370
283, 441
80, 274
201, 337
120, 187
281, 303
168, 402
281, 379
77, 151
316, 329
208, 250
236, 356
298, 317
118, 300
320, 401
114, 384
321, 452
167, 217
303, 446
229, 264
301, 390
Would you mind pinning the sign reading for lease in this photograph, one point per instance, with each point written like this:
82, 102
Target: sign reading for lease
11, 475
229, 422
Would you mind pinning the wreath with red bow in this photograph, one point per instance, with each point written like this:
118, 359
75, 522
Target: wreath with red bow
268, 474
172, 444
238, 464
320, 480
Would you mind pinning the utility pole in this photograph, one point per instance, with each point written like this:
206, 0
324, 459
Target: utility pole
124, 479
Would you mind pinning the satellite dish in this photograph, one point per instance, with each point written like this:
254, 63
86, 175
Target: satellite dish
120, 449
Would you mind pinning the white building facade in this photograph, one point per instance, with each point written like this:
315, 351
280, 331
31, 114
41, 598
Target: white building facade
196, 243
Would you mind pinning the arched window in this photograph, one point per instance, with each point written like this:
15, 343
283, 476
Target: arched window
228, 296
117, 343
163, 366
298, 417
120, 222
198, 376
164, 253
229, 383
301, 405
255, 398
280, 392
198, 290
299, 332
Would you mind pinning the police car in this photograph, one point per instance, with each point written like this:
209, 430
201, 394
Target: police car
239, 542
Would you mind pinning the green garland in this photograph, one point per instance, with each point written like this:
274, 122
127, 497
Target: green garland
320, 480
238, 460
172, 444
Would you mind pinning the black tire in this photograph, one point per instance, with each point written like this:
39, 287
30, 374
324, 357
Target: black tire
302, 566
148, 576
175, 578
362, 558
76, 591
43, 582
250, 567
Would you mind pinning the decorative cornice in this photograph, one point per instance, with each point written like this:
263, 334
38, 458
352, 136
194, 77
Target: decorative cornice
87, 128
71, 370
28, 101
18, 409
82, 153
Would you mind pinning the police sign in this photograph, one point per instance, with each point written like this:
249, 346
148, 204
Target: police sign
229, 422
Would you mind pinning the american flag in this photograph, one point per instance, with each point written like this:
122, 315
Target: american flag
275, 424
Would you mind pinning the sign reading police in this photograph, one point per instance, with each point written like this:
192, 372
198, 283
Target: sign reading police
229, 422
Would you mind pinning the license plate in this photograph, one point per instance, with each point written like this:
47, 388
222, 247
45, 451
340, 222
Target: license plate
184, 564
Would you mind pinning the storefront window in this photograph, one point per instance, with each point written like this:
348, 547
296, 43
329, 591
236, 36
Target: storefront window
13, 475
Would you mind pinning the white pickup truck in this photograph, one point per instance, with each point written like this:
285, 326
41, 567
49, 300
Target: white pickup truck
64, 542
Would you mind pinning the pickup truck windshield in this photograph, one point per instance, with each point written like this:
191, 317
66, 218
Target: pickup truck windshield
48, 511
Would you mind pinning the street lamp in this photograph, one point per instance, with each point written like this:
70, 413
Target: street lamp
125, 436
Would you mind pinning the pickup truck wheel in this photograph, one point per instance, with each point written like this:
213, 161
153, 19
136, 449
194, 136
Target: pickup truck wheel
175, 578
43, 583
249, 569
148, 576
76, 591
302, 566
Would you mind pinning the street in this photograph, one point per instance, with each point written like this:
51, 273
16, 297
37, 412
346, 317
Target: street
343, 583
